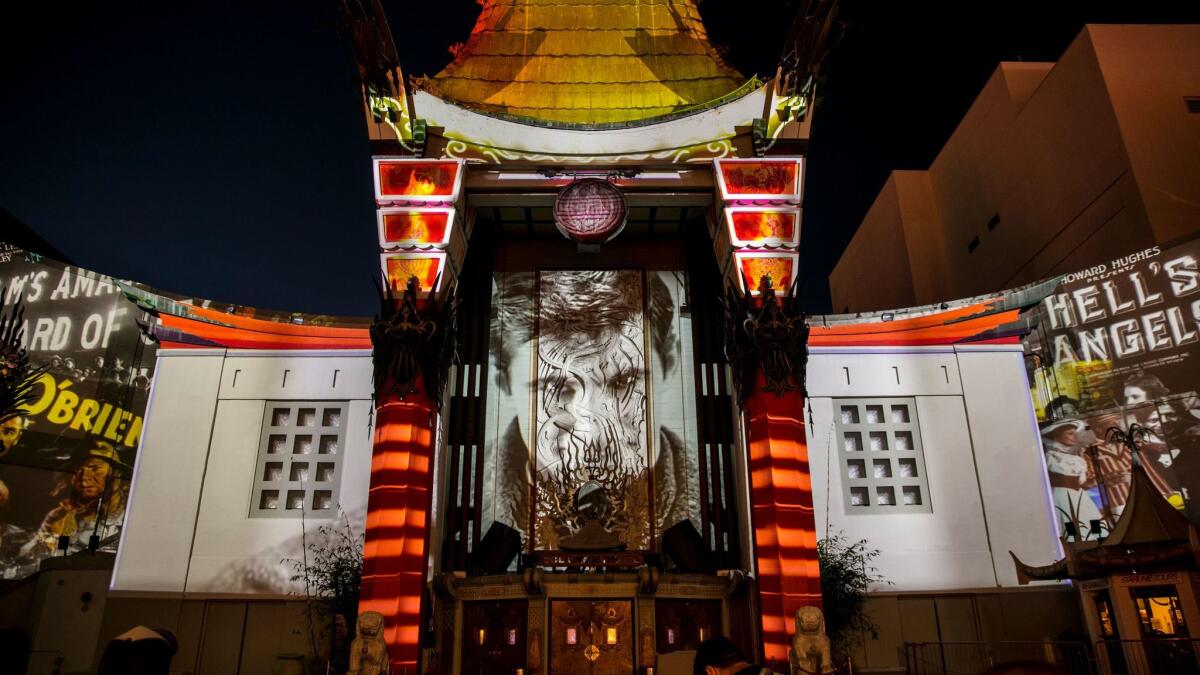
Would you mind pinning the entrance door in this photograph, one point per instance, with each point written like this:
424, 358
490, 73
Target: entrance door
494, 637
591, 637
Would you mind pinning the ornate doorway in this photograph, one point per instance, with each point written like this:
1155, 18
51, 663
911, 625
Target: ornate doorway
591, 637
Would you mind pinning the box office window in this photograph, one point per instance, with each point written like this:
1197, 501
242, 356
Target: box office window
879, 451
299, 459
1160, 614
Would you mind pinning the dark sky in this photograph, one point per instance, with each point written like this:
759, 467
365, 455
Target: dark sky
215, 147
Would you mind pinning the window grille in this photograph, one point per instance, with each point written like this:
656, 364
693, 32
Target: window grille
299, 459
881, 459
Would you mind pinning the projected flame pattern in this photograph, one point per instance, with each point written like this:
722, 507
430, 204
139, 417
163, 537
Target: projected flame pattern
759, 180
405, 180
419, 227
426, 267
753, 266
763, 226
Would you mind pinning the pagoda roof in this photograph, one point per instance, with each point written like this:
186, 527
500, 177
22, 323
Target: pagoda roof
587, 62
1151, 533
1148, 518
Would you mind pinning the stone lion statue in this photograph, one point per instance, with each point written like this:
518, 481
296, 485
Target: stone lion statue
809, 653
368, 652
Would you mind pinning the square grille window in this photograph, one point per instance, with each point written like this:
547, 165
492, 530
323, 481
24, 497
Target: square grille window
879, 449
299, 459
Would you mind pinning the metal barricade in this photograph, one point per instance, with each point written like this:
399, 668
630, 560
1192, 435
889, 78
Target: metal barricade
975, 658
1151, 656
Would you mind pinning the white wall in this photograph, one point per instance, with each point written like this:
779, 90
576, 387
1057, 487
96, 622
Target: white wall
156, 540
987, 485
188, 528
1009, 459
187, 524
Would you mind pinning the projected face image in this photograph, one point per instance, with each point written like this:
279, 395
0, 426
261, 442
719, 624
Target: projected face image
591, 371
90, 479
591, 399
10, 432
578, 360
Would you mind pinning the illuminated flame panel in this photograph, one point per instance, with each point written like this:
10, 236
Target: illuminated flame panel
394, 555
763, 226
415, 226
427, 267
785, 538
410, 180
752, 265
772, 179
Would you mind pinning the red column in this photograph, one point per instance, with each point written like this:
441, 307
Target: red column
394, 557
785, 537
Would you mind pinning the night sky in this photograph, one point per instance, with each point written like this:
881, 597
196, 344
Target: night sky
216, 148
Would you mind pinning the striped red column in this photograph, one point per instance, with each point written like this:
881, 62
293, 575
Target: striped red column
394, 557
785, 537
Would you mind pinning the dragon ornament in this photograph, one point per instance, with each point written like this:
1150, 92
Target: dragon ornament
771, 337
411, 341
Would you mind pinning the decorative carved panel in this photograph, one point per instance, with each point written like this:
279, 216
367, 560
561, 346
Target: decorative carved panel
493, 638
591, 637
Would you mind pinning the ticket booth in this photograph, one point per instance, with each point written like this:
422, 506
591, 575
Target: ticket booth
1138, 586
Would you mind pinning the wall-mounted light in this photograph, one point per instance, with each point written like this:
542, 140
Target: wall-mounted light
482, 637
610, 636
572, 636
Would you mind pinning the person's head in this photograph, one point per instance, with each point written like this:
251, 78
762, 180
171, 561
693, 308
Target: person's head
94, 471
10, 432
90, 479
1064, 433
139, 650
718, 656
1141, 388
1063, 406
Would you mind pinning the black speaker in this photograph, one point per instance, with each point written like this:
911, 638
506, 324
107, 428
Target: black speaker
685, 547
496, 551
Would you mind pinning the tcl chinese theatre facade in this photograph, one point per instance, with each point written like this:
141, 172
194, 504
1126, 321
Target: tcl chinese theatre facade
588, 179
589, 427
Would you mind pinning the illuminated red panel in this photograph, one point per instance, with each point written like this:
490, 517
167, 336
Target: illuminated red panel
394, 555
752, 266
759, 179
419, 181
785, 538
425, 266
749, 226
415, 227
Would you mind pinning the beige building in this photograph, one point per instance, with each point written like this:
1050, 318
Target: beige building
1054, 168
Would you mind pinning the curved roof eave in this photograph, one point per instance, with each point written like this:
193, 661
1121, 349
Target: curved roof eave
515, 138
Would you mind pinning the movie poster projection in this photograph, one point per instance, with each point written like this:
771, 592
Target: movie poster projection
1117, 345
65, 466
591, 420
